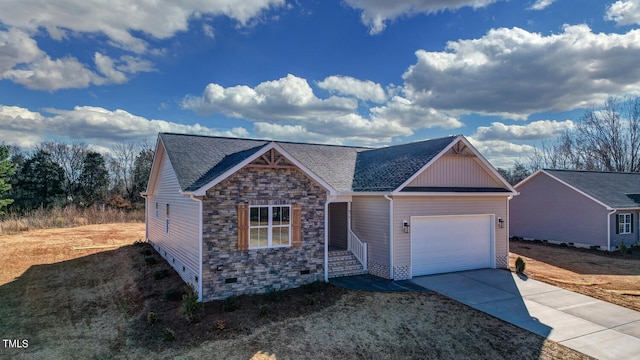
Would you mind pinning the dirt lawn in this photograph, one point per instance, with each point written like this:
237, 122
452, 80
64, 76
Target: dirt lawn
607, 276
88, 292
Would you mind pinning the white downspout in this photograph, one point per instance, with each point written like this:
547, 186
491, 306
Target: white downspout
609, 228
200, 279
386, 196
326, 240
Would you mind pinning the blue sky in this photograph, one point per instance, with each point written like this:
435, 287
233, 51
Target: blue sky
509, 75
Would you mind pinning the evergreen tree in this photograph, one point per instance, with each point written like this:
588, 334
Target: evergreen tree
39, 183
141, 170
93, 180
7, 169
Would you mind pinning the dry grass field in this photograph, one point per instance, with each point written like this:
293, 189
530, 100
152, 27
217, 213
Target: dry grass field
87, 292
607, 276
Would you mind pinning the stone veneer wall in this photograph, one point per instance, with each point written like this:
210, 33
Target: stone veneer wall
260, 270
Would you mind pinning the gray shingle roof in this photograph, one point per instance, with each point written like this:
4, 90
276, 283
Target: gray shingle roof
617, 190
385, 169
197, 160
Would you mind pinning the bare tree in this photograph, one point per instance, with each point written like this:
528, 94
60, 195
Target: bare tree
70, 157
121, 165
605, 139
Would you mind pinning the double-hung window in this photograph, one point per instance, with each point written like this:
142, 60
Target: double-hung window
624, 224
269, 226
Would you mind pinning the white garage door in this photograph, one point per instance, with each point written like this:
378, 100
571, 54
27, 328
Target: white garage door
450, 243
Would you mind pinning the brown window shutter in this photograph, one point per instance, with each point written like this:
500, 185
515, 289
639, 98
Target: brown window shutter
296, 225
243, 227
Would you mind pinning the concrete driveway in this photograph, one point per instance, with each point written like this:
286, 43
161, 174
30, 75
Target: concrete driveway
590, 326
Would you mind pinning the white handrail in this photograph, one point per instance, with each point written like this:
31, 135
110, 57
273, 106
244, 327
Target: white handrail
357, 248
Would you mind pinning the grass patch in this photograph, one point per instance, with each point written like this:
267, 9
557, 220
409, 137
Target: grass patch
69, 216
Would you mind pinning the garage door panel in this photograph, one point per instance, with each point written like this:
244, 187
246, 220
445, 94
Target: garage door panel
451, 243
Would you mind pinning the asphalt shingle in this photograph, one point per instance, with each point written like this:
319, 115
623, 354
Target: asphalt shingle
615, 189
197, 160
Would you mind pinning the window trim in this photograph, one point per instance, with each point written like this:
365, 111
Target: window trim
625, 223
157, 211
270, 227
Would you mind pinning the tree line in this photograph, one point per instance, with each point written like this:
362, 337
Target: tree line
57, 174
603, 139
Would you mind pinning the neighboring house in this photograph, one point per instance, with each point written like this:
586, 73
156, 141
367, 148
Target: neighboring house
239, 216
586, 208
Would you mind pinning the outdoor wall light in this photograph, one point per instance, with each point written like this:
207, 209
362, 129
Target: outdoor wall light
500, 223
405, 225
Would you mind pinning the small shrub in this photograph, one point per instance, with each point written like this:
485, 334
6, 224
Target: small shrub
275, 295
264, 310
168, 335
59, 221
230, 304
191, 308
623, 248
151, 318
221, 324
150, 260
173, 294
138, 242
160, 274
520, 265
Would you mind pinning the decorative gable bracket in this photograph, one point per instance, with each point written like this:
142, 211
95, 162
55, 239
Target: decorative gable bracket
272, 159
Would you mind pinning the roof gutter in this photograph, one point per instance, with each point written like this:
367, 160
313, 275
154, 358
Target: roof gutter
386, 196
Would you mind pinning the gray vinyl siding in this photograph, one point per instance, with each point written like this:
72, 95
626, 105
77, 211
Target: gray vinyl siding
406, 207
456, 171
370, 222
549, 210
180, 247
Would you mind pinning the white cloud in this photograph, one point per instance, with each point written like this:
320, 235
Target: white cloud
285, 99
515, 72
291, 104
346, 85
299, 133
376, 13
106, 66
541, 4
95, 125
405, 112
118, 19
209, 31
23, 62
537, 130
502, 153
624, 12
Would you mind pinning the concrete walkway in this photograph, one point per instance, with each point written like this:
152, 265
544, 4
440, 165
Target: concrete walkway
590, 326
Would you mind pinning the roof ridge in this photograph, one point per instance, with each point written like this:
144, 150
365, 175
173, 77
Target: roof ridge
595, 171
267, 140
309, 143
